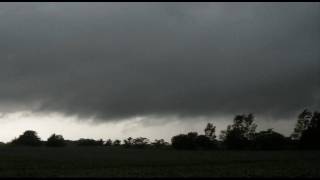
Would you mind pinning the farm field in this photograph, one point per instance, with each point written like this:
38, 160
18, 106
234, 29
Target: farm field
121, 162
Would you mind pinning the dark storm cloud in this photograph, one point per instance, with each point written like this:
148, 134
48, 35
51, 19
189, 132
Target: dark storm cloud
118, 60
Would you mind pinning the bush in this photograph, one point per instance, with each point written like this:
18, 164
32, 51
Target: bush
89, 142
269, 140
108, 142
184, 141
204, 142
141, 142
128, 142
160, 143
28, 138
55, 141
116, 142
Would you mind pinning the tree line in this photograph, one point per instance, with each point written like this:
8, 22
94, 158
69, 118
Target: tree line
31, 138
240, 135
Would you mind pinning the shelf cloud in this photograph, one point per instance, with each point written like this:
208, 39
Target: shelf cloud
120, 60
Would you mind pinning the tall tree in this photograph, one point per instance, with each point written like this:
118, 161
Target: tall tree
302, 124
209, 131
310, 137
240, 133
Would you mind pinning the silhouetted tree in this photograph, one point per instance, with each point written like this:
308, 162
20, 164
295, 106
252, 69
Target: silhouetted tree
209, 140
210, 131
302, 124
240, 134
160, 143
28, 138
269, 140
116, 142
108, 142
128, 142
55, 141
141, 142
184, 141
204, 142
100, 142
180, 141
194, 141
310, 137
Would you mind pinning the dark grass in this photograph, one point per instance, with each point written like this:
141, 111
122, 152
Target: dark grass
120, 162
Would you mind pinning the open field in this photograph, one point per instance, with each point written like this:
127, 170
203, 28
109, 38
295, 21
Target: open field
111, 162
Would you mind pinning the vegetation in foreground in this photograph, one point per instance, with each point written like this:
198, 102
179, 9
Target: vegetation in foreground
188, 154
122, 162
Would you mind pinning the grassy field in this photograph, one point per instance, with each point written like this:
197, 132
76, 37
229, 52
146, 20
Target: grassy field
108, 162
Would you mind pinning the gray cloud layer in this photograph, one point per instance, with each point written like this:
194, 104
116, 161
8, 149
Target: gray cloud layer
118, 60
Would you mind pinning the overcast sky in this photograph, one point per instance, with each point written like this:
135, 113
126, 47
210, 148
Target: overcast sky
155, 69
